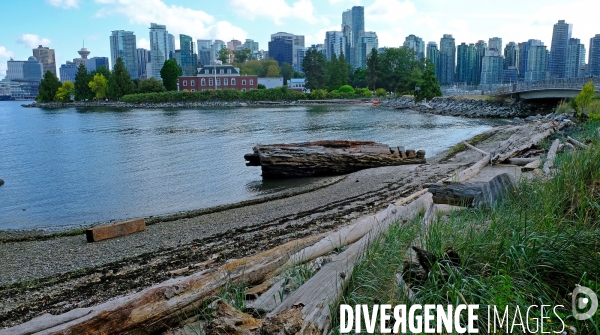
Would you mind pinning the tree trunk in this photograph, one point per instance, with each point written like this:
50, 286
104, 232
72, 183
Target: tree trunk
576, 142
523, 139
473, 194
522, 161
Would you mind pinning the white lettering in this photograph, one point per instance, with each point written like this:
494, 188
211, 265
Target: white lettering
428, 318
444, 319
385, 317
370, 320
357, 319
514, 323
561, 320
400, 319
346, 327
504, 318
542, 317
528, 319
457, 325
412, 318
472, 319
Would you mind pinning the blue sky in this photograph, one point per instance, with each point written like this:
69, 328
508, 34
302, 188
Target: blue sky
64, 24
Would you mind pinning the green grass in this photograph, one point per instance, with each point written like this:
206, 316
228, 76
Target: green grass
533, 248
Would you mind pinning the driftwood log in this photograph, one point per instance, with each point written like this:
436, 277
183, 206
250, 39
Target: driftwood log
307, 309
324, 158
532, 166
550, 157
522, 161
158, 306
576, 142
473, 194
523, 139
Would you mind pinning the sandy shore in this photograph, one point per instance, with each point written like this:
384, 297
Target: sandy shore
61, 273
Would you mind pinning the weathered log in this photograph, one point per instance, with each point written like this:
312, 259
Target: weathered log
522, 161
476, 149
473, 194
523, 139
308, 306
550, 157
160, 305
274, 296
470, 172
229, 321
115, 230
532, 166
576, 142
324, 158
410, 198
402, 286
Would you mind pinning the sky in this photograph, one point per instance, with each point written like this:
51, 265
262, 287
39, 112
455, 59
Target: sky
64, 24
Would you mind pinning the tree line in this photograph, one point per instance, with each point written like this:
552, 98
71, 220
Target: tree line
105, 84
396, 70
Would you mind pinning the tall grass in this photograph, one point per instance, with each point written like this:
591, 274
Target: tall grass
531, 249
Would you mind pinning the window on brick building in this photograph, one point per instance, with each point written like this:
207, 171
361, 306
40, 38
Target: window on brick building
251, 82
203, 82
193, 83
243, 81
210, 82
185, 83
218, 81
232, 81
225, 82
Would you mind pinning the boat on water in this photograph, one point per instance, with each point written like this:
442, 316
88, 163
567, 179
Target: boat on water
326, 158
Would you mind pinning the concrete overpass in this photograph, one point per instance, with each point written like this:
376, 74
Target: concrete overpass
547, 89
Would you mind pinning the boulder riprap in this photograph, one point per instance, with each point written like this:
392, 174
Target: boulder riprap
1, 182
324, 158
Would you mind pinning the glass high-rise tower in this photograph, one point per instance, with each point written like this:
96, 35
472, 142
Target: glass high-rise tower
447, 60
558, 50
159, 48
123, 45
189, 58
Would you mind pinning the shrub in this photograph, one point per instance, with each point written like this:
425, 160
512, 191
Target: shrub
318, 94
380, 92
346, 89
261, 87
563, 108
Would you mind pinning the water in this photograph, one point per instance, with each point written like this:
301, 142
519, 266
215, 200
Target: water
72, 166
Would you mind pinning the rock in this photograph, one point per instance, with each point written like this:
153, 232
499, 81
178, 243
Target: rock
531, 118
1, 182
518, 120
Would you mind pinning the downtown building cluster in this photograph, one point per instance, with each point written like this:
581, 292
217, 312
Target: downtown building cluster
490, 63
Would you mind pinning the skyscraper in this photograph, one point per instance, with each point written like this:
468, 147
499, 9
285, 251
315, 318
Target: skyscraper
251, 45
416, 44
170, 46
335, 43
558, 50
467, 64
297, 44
366, 42
205, 55
159, 45
123, 45
92, 64
511, 55
594, 57
47, 57
353, 24
433, 57
492, 67
495, 43
68, 71
447, 60
233, 44
189, 58
281, 49
143, 58
537, 62
575, 66
524, 55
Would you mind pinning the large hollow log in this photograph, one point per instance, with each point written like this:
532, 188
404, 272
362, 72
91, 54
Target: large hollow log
161, 305
307, 309
550, 157
523, 139
324, 158
473, 194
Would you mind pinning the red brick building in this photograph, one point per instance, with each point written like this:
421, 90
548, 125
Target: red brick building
213, 77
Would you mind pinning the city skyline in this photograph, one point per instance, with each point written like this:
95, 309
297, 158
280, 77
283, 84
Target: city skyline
392, 20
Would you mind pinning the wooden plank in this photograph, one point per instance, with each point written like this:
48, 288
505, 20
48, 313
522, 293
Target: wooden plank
532, 166
115, 230
550, 157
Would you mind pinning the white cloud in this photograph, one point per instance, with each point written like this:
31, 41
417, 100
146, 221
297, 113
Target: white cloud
277, 10
389, 11
178, 19
352, 2
33, 41
64, 3
143, 43
4, 56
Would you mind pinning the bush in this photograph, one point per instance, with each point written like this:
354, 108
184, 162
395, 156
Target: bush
380, 92
563, 108
363, 92
274, 94
262, 87
318, 94
593, 110
346, 89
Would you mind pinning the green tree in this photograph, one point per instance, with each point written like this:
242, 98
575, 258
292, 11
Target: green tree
287, 72
242, 56
103, 71
150, 85
584, 98
358, 78
373, 69
334, 80
380, 92
120, 82
428, 85
48, 88
82, 90
65, 91
223, 55
345, 69
400, 70
314, 67
99, 85
298, 74
346, 89
273, 71
170, 73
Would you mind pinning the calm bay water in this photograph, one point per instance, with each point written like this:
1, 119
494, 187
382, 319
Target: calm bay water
79, 166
